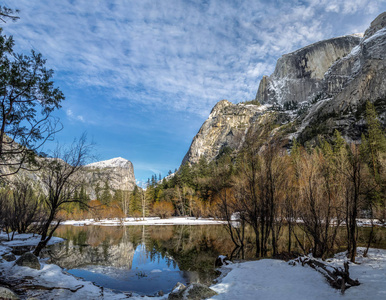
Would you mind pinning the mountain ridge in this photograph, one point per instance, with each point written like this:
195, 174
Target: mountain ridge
313, 91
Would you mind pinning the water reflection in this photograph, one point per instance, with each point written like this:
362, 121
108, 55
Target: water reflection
146, 259
142, 259
161, 272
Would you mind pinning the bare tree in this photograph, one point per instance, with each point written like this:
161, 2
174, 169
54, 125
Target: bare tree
61, 181
221, 185
354, 175
26, 206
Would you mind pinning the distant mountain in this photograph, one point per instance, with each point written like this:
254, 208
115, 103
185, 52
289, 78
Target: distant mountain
312, 92
118, 173
115, 174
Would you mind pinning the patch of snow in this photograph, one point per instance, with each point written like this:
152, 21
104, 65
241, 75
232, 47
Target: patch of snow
274, 279
26, 239
146, 221
117, 162
379, 33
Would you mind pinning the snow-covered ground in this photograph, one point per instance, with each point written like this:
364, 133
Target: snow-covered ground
177, 221
146, 221
263, 279
274, 279
25, 239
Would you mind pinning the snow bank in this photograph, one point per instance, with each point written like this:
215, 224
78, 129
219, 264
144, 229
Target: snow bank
147, 221
274, 279
176, 221
26, 239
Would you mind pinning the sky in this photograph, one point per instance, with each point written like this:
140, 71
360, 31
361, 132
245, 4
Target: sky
140, 77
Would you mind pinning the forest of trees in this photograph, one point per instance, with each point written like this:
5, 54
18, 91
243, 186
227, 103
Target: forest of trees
267, 187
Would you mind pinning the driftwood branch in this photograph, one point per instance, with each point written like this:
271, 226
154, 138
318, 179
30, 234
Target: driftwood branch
338, 278
48, 288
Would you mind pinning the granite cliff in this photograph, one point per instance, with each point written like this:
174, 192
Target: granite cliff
312, 92
298, 75
118, 173
226, 127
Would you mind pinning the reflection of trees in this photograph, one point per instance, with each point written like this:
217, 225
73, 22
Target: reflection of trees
193, 248
93, 245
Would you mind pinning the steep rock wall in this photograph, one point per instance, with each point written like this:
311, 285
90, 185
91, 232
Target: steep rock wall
226, 126
118, 173
353, 80
330, 81
298, 75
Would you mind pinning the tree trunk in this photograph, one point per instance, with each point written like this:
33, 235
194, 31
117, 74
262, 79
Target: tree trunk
338, 278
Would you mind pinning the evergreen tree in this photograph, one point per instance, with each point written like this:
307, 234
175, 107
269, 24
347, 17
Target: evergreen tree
373, 152
28, 98
135, 203
106, 195
373, 142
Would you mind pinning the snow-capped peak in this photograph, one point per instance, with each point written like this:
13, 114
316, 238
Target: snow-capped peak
111, 163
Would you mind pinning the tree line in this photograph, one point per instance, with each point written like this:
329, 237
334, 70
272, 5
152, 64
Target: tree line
313, 190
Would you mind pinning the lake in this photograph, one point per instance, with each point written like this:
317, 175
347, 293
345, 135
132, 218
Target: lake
147, 259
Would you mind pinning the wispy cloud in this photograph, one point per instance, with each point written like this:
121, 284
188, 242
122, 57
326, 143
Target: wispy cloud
180, 55
145, 74
73, 117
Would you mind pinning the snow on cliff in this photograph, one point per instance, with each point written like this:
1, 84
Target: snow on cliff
117, 162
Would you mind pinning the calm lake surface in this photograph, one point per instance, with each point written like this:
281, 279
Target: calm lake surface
147, 259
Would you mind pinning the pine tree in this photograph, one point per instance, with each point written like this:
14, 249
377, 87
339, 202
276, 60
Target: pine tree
373, 142
106, 195
373, 152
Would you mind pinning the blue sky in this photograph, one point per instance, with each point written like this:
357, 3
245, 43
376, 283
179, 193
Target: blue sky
140, 77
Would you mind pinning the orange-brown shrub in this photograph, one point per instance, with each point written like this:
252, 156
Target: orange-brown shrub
163, 209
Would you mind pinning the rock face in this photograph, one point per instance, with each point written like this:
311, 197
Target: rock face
72, 256
7, 294
298, 75
349, 83
28, 260
118, 173
313, 91
226, 127
9, 257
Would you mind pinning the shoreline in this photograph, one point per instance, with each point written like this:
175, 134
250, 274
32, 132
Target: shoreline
268, 278
131, 221
146, 221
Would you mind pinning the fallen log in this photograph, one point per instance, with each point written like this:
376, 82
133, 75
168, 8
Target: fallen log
48, 288
337, 277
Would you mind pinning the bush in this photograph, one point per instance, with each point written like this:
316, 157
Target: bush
163, 209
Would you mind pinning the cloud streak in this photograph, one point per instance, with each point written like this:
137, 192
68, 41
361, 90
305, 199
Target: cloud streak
142, 76
183, 55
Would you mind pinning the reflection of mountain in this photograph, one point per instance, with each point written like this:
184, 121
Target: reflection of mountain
71, 256
117, 251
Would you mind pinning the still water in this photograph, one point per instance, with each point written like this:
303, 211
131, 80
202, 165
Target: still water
141, 259
147, 259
